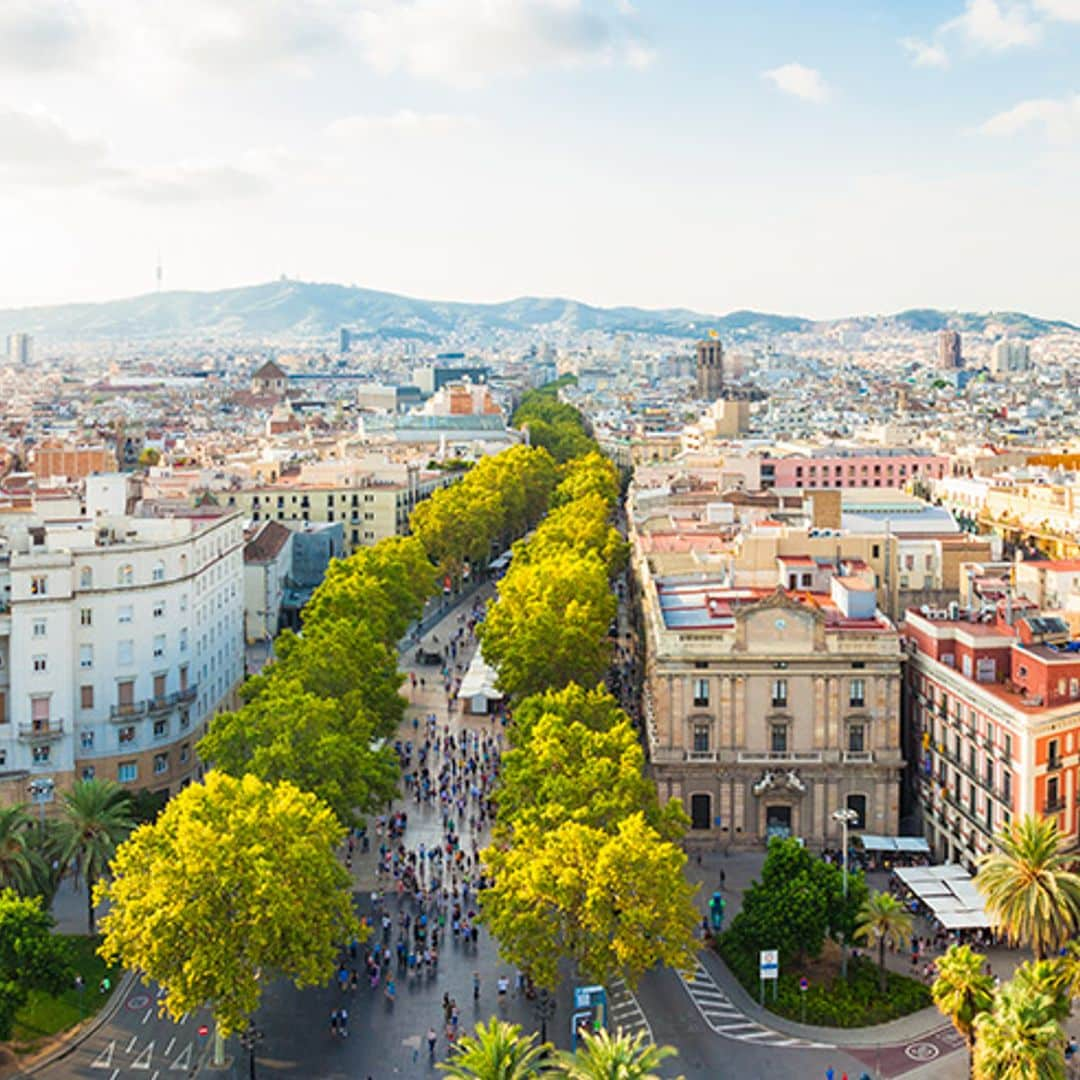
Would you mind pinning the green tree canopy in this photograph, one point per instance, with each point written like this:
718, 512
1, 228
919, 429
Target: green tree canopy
95, 817
577, 527
549, 625
498, 1051
570, 772
597, 709
603, 1056
317, 743
962, 989
234, 884
1031, 894
21, 864
883, 920
590, 474
615, 903
1020, 1039
798, 902
31, 957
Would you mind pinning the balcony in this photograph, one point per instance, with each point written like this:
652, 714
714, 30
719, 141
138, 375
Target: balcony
701, 755
773, 757
1054, 806
858, 757
131, 710
165, 702
1053, 764
39, 730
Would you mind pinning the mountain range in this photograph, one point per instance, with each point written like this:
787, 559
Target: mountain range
309, 311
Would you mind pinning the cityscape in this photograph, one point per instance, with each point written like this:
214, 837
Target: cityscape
634, 634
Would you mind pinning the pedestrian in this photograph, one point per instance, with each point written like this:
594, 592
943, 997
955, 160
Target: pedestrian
476, 985
829, 1074
343, 1022
333, 1021
723, 879
432, 1039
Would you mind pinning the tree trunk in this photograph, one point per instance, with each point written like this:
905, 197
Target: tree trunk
971, 1055
89, 903
881, 964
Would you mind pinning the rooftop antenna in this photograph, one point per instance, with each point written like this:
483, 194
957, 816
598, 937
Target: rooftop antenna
158, 273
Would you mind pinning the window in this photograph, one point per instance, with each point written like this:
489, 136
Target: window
159, 686
3, 756
39, 712
41, 664
39, 586
858, 804
86, 578
127, 772
125, 734
86, 696
701, 738
161, 728
88, 772
86, 656
41, 754
159, 646
1006, 786
856, 738
183, 601
159, 609
158, 573
183, 639
161, 764
779, 693
857, 693
86, 739
701, 693
41, 627
700, 811
86, 617
125, 614
125, 574
185, 719
778, 744
1008, 746
1052, 800
1053, 758
125, 652
185, 753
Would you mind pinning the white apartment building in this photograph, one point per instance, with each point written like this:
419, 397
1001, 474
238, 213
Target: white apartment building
120, 636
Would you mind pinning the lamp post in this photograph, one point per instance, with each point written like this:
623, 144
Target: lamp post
545, 1010
846, 816
249, 1039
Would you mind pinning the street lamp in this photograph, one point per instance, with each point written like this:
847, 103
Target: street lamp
41, 791
545, 1011
249, 1039
846, 816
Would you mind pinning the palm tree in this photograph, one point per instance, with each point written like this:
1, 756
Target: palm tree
1050, 978
21, 864
883, 920
963, 991
1030, 894
603, 1056
1020, 1039
96, 818
498, 1051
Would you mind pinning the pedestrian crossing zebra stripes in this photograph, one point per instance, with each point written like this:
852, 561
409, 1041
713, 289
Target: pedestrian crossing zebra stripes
625, 1012
718, 1011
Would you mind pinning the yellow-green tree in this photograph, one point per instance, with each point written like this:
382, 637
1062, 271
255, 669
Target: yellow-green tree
234, 884
616, 903
317, 743
570, 772
1020, 1038
590, 474
962, 990
883, 920
549, 625
578, 526
597, 709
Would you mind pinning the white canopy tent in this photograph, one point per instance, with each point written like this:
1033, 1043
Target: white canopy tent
949, 893
478, 689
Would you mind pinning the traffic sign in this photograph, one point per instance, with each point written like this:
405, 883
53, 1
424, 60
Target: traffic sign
804, 983
769, 966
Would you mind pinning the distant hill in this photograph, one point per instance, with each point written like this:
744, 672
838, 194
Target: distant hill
310, 310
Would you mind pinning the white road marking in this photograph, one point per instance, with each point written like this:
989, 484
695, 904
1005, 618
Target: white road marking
623, 1003
104, 1059
168, 1049
131, 1045
183, 1060
144, 1059
723, 1018
146, 1015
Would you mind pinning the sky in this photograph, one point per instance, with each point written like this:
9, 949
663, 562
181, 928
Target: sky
811, 157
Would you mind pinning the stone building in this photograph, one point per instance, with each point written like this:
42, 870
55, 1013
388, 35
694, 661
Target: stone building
768, 709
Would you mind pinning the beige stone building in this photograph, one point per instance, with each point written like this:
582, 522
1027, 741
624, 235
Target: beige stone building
768, 709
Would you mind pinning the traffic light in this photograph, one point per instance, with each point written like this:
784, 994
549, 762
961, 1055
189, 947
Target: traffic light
716, 911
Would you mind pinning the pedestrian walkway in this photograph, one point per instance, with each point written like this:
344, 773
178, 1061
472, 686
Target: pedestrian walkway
624, 1011
724, 1018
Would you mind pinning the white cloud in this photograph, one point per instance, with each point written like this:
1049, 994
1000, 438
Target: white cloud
41, 35
994, 25
799, 80
402, 122
1058, 120
36, 148
189, 183
1063, 10
467, 42
926, 53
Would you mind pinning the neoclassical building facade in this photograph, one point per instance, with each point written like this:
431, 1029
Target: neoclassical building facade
766, 710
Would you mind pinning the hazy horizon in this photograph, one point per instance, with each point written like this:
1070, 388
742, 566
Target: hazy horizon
859, 156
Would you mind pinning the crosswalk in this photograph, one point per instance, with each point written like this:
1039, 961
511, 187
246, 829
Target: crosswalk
718, 1011
625, 1012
